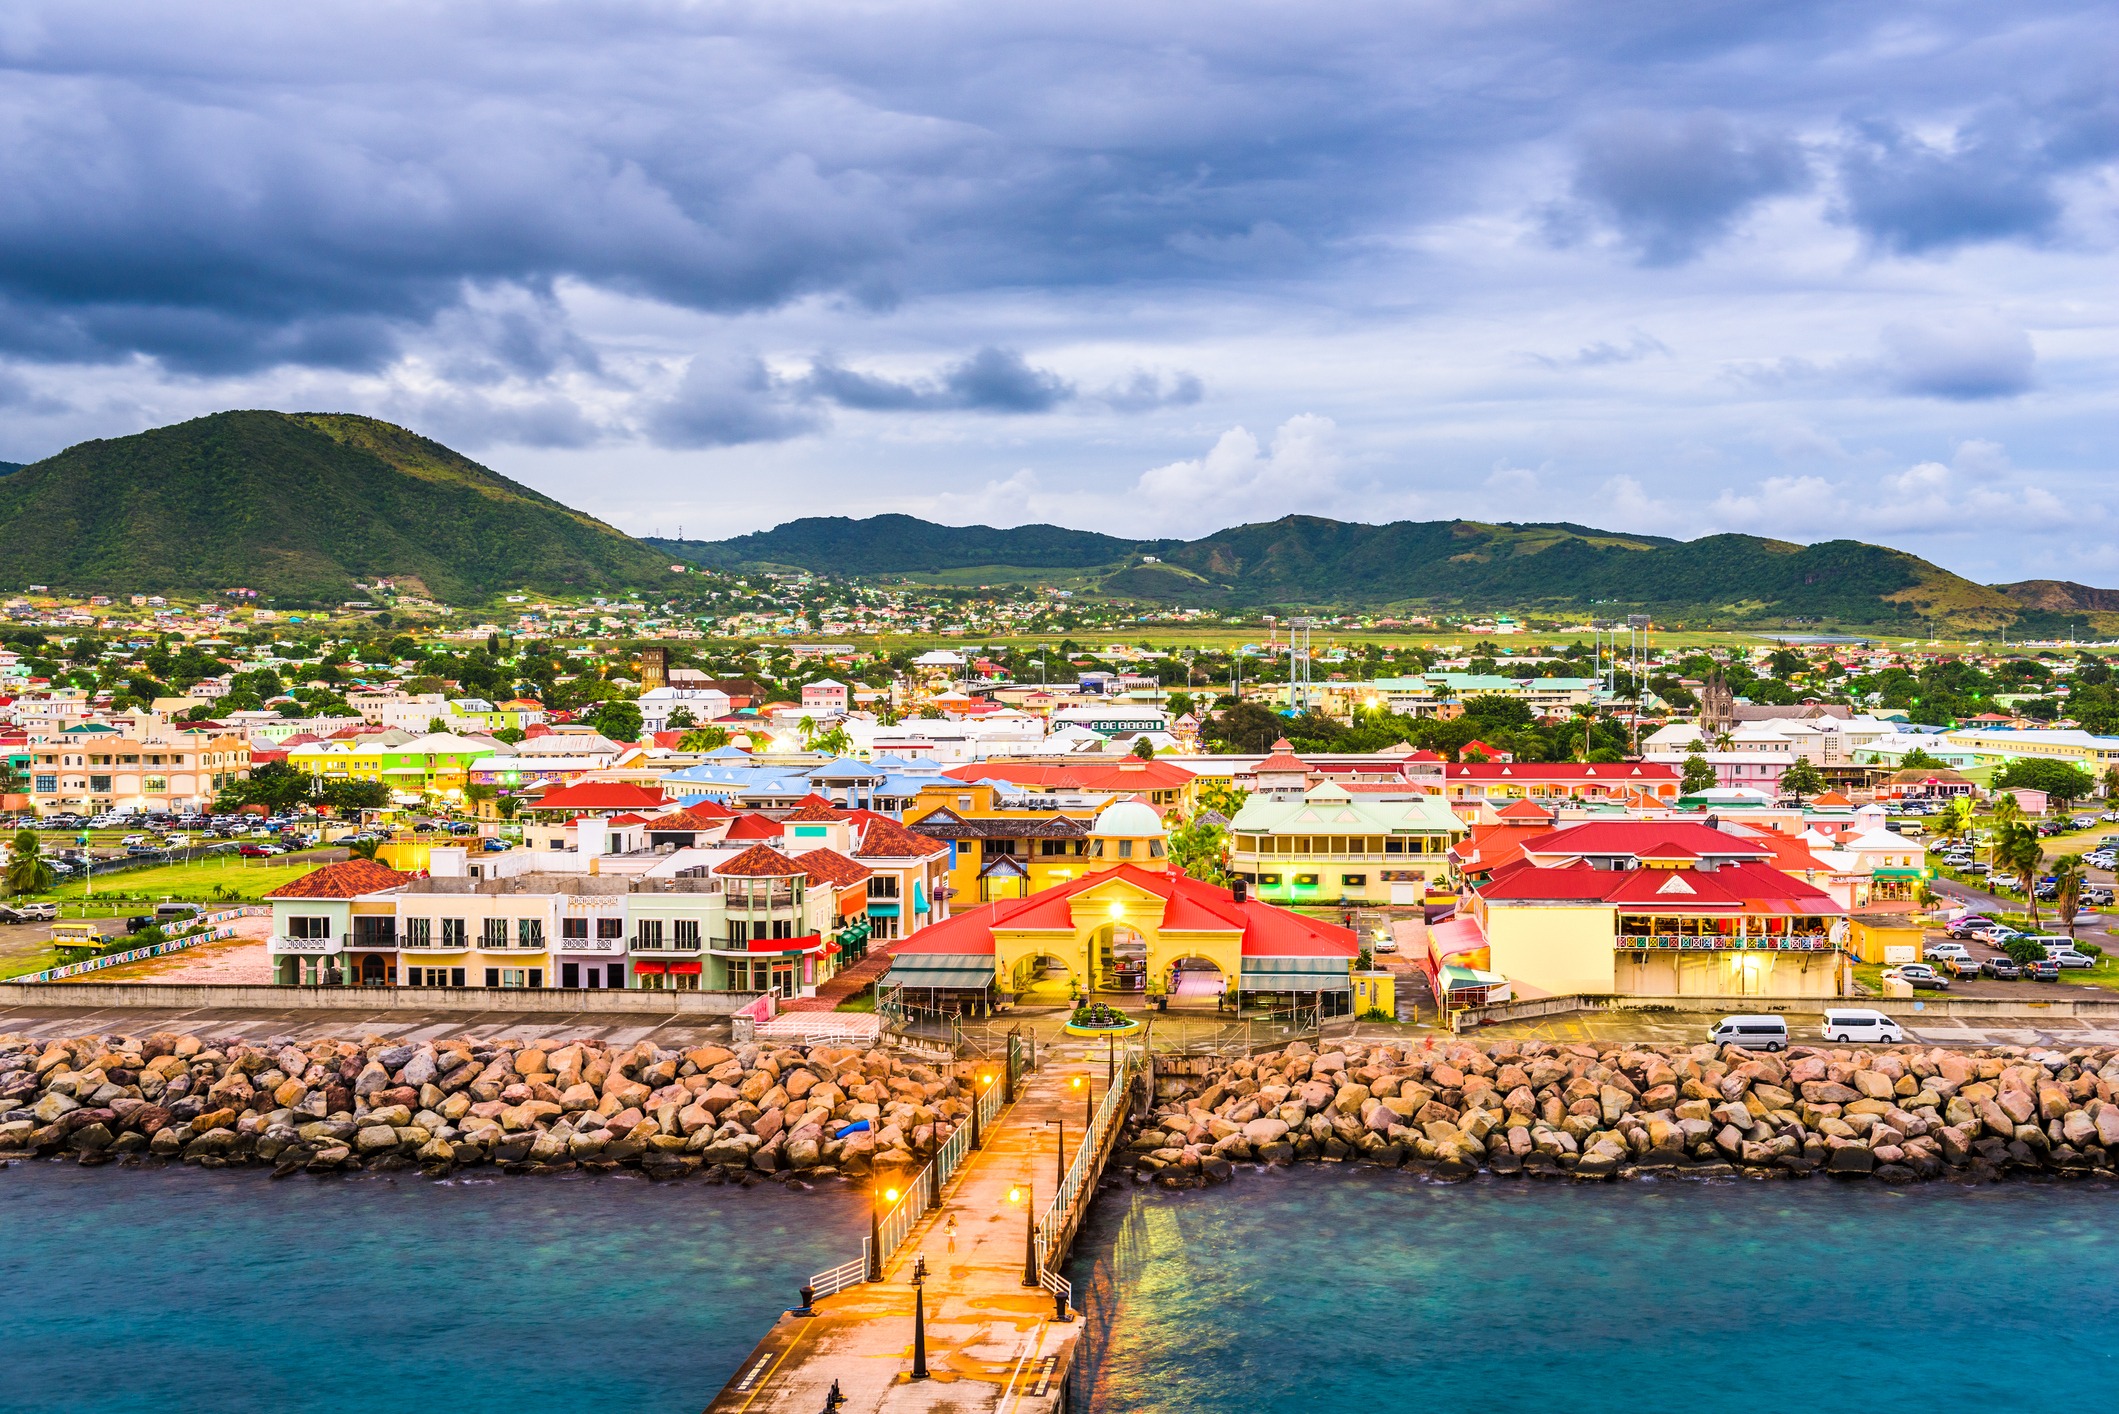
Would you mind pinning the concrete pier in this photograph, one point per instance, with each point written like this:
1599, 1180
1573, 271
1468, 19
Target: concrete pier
992, 1343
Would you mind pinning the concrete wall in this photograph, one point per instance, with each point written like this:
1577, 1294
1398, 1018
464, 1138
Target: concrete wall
182, 997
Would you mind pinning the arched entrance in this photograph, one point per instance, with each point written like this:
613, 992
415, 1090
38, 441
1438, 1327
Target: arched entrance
372, 970
1119, 955
1042, 979
1195, 981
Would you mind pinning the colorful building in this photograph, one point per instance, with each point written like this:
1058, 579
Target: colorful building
1329, 847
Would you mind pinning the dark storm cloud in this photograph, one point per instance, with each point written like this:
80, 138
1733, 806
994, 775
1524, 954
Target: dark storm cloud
1671, 185
993, 380
244, 185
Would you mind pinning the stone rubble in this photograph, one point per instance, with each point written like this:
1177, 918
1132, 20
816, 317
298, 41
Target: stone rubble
1454, 1109
744, 1114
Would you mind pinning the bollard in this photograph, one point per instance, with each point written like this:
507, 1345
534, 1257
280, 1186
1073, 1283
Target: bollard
809, 1300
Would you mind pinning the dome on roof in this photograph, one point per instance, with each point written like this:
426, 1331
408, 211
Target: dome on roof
1128, 819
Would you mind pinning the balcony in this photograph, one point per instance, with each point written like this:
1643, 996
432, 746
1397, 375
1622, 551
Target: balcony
278, 944
1670, 942
603, 945
668, 946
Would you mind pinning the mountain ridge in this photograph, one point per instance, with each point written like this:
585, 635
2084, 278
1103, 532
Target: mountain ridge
299, 506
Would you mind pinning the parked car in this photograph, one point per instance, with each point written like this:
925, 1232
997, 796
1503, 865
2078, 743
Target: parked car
1940, 951
1860, 1024
42, 912
2067, 956
1751, 1033
2003, 968
1920, 975
1975, 867
1963, 968
2044, 969
259, 851
497, 846
1969, 926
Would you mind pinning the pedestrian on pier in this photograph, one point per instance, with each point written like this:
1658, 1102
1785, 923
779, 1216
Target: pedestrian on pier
951, 1231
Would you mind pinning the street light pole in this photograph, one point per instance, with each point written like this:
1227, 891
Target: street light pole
919, 1319
1030, 1272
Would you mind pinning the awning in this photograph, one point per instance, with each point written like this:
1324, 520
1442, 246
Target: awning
959, 971
919, 890
651, 969
684, 969
1293, 978
882, 910
1896, 872
852, 904
1457, 979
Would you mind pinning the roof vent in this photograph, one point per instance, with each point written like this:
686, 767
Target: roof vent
1240, 889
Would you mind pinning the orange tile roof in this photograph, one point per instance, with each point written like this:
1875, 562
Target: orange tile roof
832, 867
760, 861
349, 878
884, 838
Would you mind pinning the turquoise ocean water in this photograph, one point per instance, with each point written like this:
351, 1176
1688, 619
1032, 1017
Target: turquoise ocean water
1356, 1290
183, 1291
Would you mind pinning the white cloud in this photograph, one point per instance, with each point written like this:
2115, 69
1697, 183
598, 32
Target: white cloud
1238, 480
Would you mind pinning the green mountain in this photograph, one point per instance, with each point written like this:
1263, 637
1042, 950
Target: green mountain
1468, 565
299, 506
10, 468
892, 544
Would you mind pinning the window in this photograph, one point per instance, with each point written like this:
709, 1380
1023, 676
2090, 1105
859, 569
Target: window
573, 928
47, 785
1269, 881
610, 927
1125, 849
456, 977
157, 783
687, 932
100, 784
529, 932
493, 933
1354, 881
492, 977
1305, 881
456, 933
649, 933
886, 885
309, 927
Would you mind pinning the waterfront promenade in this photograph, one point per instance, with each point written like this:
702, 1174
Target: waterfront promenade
992, 1343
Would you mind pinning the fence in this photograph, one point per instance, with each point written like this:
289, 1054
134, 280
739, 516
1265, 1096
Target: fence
1054, 1228
925, 1189
216, 928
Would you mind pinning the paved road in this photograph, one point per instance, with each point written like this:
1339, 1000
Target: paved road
1807, 1028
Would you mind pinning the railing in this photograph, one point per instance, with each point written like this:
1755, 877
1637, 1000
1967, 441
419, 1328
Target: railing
923, 1191
591, 944
1100, 1125
1679, 942
280, 944
842, 1276
220, 926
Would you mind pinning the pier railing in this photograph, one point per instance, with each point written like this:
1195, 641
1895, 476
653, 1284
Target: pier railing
1055, 1228
921, 1193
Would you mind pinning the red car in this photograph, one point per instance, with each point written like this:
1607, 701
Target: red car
257, 851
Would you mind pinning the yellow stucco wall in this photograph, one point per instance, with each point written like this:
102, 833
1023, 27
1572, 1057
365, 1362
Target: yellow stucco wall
1554, 949
1730, 975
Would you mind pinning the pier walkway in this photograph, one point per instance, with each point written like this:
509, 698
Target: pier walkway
992, 1343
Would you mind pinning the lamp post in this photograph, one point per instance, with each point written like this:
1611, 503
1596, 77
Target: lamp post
875, 1231
1030, 1272
919, 1317
978, 1093
1059, 1155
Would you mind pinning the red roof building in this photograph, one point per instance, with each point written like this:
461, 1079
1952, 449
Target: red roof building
588, 797
349, 878
1130, 775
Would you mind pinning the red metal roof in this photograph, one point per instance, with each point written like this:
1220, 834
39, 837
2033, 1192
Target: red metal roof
1732, 888
1130, 774
600, 795
1624, 772
752, 826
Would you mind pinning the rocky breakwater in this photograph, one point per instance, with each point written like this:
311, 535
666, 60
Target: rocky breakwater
748, 1113
1901, 1114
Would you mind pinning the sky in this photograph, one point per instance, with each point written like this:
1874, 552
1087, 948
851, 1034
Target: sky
1799, 269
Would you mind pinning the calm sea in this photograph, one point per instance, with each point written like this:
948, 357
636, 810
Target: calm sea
1360, 1291
183, 1291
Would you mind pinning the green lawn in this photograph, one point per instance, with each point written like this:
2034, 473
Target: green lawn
199, 880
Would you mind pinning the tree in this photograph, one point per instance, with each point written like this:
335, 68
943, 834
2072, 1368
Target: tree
1918, 760
1803, 779
832, 741
1201, 850
2068, 878
703, 739
349, 798
2016, 848
2111, 783
1178, 704
27, 873
619, 720
1223, 798
1956, 819
680, 718
275, 785
1144, 748
364, 849
1698, 776
2062, 783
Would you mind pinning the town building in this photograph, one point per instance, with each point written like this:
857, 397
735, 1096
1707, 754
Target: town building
86, 769
1327, 847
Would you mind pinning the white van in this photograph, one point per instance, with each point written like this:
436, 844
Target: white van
1752, 1033
1855, 1024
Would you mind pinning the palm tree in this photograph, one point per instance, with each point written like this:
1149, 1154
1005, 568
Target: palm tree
364, 849
1956, 819
832, 742
2008, 815
27, 873
703, 739
2016, 848
2068, 878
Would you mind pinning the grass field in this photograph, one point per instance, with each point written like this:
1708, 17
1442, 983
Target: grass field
196, 880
